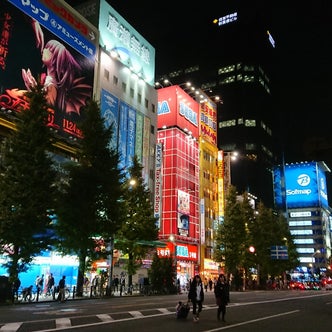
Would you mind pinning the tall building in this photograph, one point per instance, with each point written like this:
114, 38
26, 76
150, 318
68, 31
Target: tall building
102, 57
237, 67
177, 143
301, 191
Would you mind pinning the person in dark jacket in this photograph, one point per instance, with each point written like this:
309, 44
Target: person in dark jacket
221, 292
196, 296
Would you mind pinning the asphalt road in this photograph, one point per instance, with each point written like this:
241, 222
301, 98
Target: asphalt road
273, 311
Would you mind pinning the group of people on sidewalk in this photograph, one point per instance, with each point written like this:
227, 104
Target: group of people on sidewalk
221, 292
50, 284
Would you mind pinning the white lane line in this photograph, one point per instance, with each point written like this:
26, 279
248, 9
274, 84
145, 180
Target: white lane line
62, 322
252, 321
11, 327
164, 310
136, 314
105, 317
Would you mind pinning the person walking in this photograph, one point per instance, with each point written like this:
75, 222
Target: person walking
196, 296
62, 287
221, 292
50, 285
39, 284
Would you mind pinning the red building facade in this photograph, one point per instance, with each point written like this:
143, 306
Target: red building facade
178, 173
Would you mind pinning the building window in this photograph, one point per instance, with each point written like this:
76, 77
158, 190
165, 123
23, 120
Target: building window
250, 123
152, 129
153, 108
131, 92
115, 80
146, 103
139, 98
124, 87
106, 74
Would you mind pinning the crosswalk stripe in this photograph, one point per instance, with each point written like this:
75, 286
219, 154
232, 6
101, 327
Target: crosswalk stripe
136, 313
164, 310
62, 322
10, 327
105, 317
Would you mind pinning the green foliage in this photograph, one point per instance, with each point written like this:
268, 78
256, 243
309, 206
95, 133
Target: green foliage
139, 223
27, 188
162, 274
244, 227
89, 208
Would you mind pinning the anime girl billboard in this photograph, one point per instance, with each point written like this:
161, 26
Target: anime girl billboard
31, 53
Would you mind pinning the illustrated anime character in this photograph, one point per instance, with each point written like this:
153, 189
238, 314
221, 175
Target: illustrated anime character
65, 88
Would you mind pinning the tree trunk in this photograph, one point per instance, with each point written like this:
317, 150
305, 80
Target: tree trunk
80, 276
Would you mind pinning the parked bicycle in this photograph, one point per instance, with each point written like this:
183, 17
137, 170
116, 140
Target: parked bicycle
26, 294
56, 291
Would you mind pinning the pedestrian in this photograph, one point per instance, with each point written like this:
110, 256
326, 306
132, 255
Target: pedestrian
39, 284
221, 292
206, 284
62, 287
95, 285
122, 284
116, 283
196, 296
210, 284
50, 285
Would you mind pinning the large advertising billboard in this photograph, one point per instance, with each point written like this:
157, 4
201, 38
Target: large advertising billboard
118, 36
177, 108
47, 41
304, 185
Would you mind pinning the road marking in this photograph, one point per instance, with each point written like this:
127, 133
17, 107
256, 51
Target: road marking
62, 323
105, 317
252, 321
164, 310
136, 314
11, 327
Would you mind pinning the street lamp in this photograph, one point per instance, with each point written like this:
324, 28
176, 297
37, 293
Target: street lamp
228, 157
317, 252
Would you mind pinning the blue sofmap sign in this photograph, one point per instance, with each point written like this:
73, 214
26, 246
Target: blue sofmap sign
300, 185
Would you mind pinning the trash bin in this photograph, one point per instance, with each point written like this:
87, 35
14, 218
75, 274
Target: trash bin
5, 289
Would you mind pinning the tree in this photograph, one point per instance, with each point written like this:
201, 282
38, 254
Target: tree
27, 188
90, 205
162, 274
245, 227
139, 224
271, 229
231, 235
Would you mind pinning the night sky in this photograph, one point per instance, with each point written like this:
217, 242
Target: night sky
303, 35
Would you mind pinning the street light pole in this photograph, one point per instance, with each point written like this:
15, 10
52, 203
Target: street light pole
172, 239
228, 157
110, 265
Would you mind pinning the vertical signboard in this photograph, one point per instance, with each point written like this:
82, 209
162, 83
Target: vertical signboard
110, 113
221, 187
208, 123
158, 183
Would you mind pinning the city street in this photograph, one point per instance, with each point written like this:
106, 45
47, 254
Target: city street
272, 311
